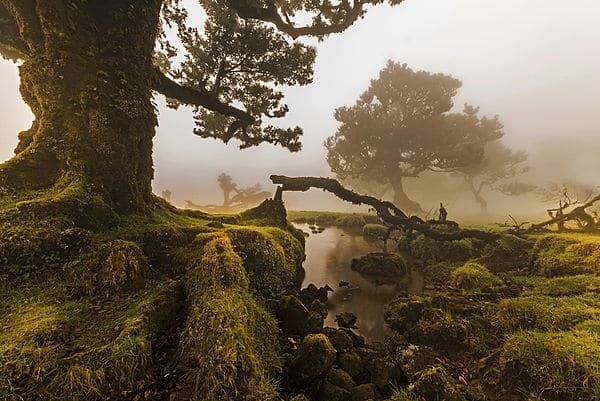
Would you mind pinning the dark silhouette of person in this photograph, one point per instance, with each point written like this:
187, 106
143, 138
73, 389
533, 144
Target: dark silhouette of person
443, 212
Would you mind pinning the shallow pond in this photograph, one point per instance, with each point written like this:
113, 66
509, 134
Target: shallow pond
329, 257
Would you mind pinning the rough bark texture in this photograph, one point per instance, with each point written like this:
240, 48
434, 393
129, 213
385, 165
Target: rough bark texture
386, 210
87, 78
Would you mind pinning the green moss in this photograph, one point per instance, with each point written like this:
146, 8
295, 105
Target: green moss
315, 357
474, 277
228, 345
351, 221
50, 348
375, 231
557, 255
405, 395
438, 274
508, 253
435, 384
432, 251
546, 313
272, 257
552, 366
563, 286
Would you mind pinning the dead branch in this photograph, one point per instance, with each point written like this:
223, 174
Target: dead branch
387, 211
578, 214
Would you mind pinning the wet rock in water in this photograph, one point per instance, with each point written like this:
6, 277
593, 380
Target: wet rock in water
295, 318
346, 319
314, 358
436, 384
388, 265
340, 339
318, 307
311, 292
341, 378
343, 283
352, 363
331, 392
365, 392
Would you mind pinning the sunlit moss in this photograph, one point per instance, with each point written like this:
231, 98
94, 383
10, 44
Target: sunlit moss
553, 366
474, 277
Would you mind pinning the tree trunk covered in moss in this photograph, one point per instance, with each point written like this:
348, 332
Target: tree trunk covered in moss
400, 198
87, 80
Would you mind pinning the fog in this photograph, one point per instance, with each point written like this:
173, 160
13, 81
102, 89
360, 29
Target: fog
535, 63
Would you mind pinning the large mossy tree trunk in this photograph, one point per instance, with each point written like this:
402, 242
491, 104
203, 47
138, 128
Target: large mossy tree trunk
402, 200
88, 83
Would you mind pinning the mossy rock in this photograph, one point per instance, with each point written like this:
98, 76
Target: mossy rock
405, 395
341, 378
388, 265
331, 392
508, 253
556, 255
438, 274
435, 384
375, 231
403, 314
365, 392
340, 339
432, 251
295, 318
272, 257
555, 366
314, 358
473, 277
352, 363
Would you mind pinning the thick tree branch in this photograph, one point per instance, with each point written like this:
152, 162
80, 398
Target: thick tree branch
386, 210
346, 16
200, 97
578, 214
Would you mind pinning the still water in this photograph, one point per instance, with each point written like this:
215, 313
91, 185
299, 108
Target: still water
328, 261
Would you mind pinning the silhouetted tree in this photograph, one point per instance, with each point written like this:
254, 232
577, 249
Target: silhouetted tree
498, 165
399, 128
227, 186
89, 69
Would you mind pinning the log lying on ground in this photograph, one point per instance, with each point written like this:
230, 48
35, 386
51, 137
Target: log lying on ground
387, 211
578, 214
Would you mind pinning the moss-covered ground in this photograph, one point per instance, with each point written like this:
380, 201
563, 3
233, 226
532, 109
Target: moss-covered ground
170, 304
514, 320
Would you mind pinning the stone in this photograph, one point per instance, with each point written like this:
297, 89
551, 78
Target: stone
379, 264
314, 358
341, 378
365, 392
346, 319
331, 392
352, 363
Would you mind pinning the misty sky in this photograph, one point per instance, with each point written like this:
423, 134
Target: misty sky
536, 63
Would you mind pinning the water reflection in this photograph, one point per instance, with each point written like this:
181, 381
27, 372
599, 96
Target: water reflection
328, 259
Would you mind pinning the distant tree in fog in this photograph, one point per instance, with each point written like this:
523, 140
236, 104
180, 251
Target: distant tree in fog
227, 186
494, 171
243, 196
401, 127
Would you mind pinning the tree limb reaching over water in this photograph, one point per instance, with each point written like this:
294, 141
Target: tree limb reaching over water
386, 210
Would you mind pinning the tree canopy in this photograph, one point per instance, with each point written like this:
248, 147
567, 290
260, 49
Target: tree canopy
100, 61
402, 126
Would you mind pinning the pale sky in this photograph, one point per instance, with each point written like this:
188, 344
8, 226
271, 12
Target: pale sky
536, 63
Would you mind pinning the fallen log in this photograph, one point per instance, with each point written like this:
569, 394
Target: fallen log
578, 214
386, 210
